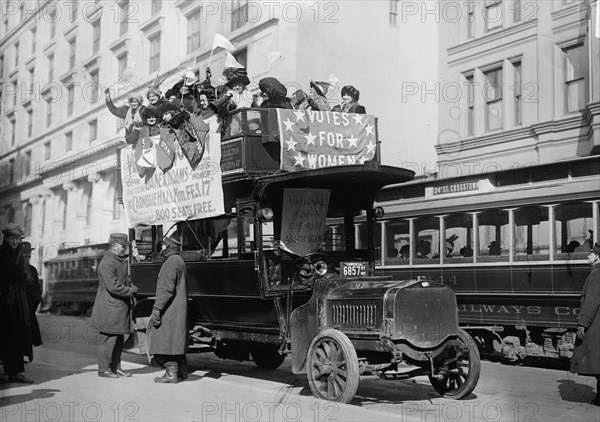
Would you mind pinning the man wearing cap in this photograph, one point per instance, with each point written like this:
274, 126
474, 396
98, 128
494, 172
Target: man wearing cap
111, 307
586, 354
16, 326
168, 322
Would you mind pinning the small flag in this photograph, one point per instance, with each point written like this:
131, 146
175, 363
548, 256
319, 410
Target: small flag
230, 61
220, 41
332, 79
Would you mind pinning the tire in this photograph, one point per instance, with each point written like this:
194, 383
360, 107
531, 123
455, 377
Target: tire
267, 356
332, 367
464, 371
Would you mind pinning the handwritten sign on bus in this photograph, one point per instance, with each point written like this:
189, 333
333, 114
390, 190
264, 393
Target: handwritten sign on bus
303, 219
178, 194
317, 139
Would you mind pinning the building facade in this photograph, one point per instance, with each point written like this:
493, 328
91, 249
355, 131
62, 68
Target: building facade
58, 140
520, 83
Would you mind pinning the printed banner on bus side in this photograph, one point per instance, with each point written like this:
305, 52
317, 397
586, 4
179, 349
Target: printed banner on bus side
317, 139
178, 194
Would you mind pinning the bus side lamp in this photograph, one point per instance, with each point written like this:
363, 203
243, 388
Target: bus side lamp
265, 214
379, 213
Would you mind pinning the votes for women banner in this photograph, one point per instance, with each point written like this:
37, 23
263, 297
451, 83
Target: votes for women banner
317, 139
180, 193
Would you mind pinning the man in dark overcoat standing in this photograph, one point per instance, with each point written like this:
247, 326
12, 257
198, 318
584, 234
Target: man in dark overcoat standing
586, 355
112, 305
168, 323
19, 330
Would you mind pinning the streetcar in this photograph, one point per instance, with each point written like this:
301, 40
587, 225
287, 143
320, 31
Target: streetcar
512, 244
71, 279
266, 278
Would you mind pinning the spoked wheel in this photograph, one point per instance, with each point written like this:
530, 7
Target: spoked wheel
332, 367
267, 356
459, 367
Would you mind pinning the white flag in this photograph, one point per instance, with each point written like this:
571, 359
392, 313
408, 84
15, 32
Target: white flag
221, 41
230, 61
332, 79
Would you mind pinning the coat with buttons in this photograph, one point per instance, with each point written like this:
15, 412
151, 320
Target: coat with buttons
586, 354
113, 299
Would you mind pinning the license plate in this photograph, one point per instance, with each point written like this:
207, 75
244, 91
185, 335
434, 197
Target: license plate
353, 269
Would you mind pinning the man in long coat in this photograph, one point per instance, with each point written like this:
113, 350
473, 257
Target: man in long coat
168, 323
19, 331
111, 307
586, 355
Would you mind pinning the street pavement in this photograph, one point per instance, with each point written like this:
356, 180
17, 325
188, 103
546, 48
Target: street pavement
67, 388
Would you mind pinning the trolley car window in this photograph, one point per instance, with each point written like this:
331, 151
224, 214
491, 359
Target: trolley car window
532, 233
459, 237
572, 225
494, 237
427, 231
398, 241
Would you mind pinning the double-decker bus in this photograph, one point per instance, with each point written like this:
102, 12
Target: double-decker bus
71, 279
512, 244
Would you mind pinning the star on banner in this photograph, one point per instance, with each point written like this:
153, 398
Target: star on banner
358, 119
362, 160
291, 145
353, 141
299, 160
310, 138
369, 129
299, 115
288, 124
371, 147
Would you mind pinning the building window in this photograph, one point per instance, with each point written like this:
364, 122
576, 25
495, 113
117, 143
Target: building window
156, 7
29, 123
124, 15
470, 19
394, 12
15, 95
517, 11
11, 175
193, 32
116, 205
93, 129
48, 112
242, 57
31, 79
575, 67
96, 36
16, 54
154, 53
72, 51
33, 39
470, 105
94, 85
122, 62
1, 66
51, 68
73, 16
28, 162
52, 18
518, 108
493, 99
70, 99
68, 141
239, 15
64, 202
89, 205
13, 131
492, 14
47, 151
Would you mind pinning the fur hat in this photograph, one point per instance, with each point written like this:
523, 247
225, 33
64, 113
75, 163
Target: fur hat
135, 96
272, 87
153, 90
351, 91
120, 238
236, 76
170, 92
150, 111
13, 229
596, 249
320, 87
165, 107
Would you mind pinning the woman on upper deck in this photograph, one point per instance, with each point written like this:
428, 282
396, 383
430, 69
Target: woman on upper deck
350, 96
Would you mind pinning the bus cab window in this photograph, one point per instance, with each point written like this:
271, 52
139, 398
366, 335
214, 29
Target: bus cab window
427, 240
573, 226
532, 233
493, 235
247, 231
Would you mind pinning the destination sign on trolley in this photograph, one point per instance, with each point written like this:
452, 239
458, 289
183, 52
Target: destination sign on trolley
457, 188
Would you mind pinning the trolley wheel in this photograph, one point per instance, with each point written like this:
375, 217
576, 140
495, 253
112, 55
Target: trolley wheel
332, 367
267, 356
460, 366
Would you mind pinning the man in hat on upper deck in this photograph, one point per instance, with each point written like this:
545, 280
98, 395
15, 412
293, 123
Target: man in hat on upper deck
168, 323
112, 306
586, 354
17, 329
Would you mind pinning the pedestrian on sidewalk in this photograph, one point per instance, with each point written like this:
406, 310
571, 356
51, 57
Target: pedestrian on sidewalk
168, 328
18, 328
112, 305
586, 354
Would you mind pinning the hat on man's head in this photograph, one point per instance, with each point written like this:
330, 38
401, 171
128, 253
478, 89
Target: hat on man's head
27, 247
13, 229
320, 87
120, 238
170, 242
351, 91
596, 249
